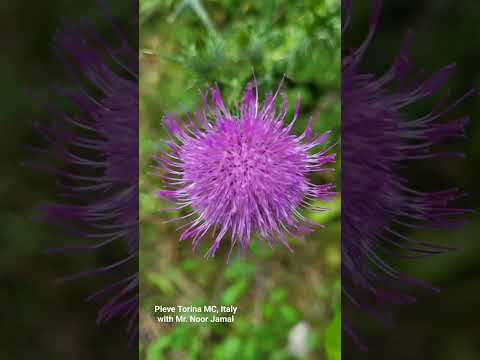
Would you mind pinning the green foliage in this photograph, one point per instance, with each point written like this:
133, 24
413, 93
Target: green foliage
247, 337
333, 336
271, 38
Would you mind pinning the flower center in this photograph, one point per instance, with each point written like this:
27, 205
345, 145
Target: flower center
245, 167
244, 163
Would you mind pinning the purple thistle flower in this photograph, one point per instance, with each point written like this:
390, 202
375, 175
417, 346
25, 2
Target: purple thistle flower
97, 149
243, 173
378, 203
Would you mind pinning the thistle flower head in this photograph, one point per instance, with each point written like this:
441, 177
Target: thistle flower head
243, 173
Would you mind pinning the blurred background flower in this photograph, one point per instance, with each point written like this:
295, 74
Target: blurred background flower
43, 319
92, 153
412, 133
378, 200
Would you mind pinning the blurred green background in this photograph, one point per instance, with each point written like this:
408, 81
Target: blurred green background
444, 326
41, 319
186, 46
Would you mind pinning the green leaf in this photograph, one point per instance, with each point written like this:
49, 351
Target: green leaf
233, 293
332, 340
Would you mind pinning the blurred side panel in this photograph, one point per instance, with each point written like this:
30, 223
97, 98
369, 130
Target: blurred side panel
410, 149
46, 228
